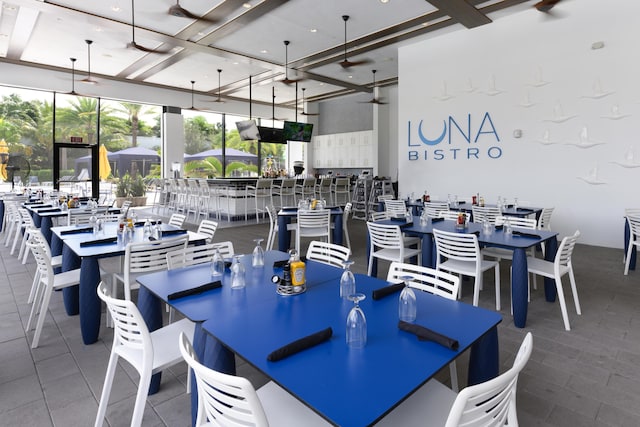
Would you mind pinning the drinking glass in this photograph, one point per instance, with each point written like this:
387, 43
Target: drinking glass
515, 203
487, 227
258, 254
217, 264
93, 222
507, 227
407, 302
356, 323
237, 273
347, 281
424, 219
456, 203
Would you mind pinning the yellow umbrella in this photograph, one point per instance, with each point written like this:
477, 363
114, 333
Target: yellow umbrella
4, 155
105, 167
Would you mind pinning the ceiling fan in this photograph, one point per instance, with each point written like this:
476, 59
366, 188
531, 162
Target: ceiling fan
218, 99
192, 108
374, 100
304, 113
346, 63
88, 79
287, 80
133, 44
73, 77
181, 12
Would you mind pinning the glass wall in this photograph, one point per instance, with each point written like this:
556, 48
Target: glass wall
241, 157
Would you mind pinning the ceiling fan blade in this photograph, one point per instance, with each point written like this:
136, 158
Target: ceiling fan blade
141, 48
180, 12
348, 64
373, 101
218, 100
289, 81
546, 5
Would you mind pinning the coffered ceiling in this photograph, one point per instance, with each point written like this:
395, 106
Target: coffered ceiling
241, 38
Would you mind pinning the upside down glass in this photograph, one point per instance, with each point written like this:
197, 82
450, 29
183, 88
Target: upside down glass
407, 302
237, 273
347, 281
356, 324
257, 259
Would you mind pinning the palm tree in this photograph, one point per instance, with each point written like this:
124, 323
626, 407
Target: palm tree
133, 111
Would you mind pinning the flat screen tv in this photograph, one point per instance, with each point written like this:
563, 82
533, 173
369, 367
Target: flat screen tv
273, 135
294, 131
248, 130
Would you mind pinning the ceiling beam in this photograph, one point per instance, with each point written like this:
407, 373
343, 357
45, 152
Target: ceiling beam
462, 12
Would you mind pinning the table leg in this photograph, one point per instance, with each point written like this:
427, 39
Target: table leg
284, 236
374, 261
213, 355
90, 306
150, 308
45, 228
70, 295
519, 283
428, 254
1, 214
484, 359
56, 249
337, 229
550, 284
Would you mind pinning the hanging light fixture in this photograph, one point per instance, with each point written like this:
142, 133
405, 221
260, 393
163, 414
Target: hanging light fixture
192, 108
219, 99
88, 79
287, 80
73, 76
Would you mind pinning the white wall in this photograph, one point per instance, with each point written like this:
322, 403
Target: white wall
519, 53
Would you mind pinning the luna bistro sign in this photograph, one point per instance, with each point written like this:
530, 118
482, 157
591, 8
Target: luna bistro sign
455, 140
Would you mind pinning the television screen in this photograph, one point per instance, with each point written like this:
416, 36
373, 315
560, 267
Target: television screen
248, 130
294, 131
268, 134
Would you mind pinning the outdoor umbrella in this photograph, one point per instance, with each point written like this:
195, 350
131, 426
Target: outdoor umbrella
105, 167
4, 149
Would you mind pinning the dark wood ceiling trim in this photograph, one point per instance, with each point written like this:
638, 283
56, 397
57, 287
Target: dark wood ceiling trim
462, 12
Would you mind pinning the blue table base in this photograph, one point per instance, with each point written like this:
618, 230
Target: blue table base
70, 261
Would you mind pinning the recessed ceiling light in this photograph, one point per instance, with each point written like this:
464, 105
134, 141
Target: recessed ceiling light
9, 7
246, 5
264, 51
4, 35
384, 1
116, 8
313, 30
235, 63
98, 29
350, 77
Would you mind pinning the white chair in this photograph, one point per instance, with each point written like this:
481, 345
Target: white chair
378, 216
395, 208
341, 190
285, 192
145, 257
388, 243
328, 253
449, 215
490, 213
322, 190
433, 281
434, 209
48, 283
345, 223
633, 219
305, 189
177, 219
191, 255
26, 225
273, 226
560, 266
491, 403
56, 261
313, 223
459, 253
208, 228
258, 192
228, 400
204, 201
544, 223
149, 353
500, 253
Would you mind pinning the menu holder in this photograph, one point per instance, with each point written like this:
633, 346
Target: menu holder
525, 234
99, 242
386, 291
426, 334
300, 345
77, 230
195, 291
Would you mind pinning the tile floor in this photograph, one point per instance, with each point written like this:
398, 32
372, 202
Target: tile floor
589, 376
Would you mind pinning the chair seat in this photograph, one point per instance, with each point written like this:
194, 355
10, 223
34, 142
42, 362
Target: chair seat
411, 240
544, 268
499, 253
164, 340
313, 231
394, 254
465, 267
284, 410
429, 405
66, 279
56, 261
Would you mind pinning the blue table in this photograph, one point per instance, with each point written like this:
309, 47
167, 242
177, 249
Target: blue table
519, 245
198, 308
355, 387
44, 220
284, 218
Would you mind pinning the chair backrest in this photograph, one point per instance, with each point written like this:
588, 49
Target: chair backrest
490, 213
544, 222
314, 222
516, 221
191, 255
226, 400
124, 208
273, 225
346, 212
458, 246
208, 227
342, 184
492, 403
433, 209
287, 185
43, 259
385, 236
328, 253
565, 250
130, 332
395, 207
378, 216
384, 197
426, 279
449, 215
177, 219
263, 184
27, 219
225, 248
205, 190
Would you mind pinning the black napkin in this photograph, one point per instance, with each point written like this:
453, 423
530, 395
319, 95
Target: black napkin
524, 210
461, 202
386, 291
49, 210
197, 290
280, 264
172, 232
301, 344
426, 334
227, 264
77, 230
499, 227
99, 241
508, 206
437, 219
524, 234
398, 218
140, 223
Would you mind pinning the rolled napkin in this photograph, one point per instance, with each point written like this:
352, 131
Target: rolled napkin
461, 202
49, 210
386, 291
499, 227
194, 291
437, 219
99, 241
172, 232
525, 234
77, 230
300, 345
426, 334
